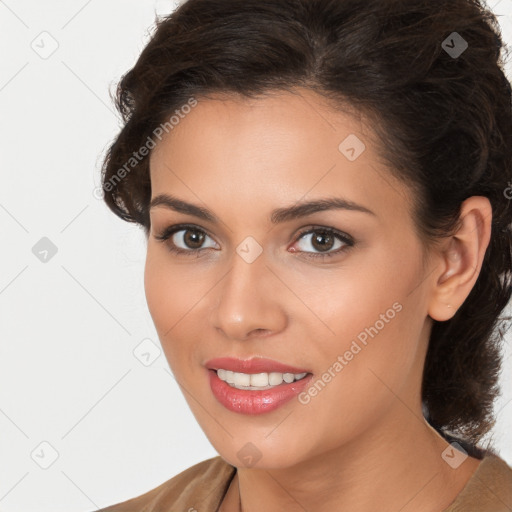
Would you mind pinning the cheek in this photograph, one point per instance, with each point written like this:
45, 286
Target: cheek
164, 297
370, 318
173, 297
156, 287
358, 383
170, 291
348, 301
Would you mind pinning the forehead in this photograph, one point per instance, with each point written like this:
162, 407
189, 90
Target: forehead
276, 149
278, 119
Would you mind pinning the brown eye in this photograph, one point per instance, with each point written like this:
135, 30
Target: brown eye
184, 239
193, 239
323, 241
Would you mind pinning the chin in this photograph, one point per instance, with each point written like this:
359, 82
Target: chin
254, 452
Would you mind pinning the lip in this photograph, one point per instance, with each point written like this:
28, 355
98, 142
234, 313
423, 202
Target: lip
253, 365
253, 402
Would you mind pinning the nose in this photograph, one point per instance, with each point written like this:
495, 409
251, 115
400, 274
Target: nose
250, 301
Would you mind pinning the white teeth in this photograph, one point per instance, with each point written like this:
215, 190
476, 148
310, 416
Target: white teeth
257, 381
274, 379
242, 379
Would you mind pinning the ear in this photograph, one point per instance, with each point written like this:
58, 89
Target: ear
460, 259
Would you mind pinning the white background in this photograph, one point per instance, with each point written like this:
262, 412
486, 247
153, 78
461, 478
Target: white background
68, 327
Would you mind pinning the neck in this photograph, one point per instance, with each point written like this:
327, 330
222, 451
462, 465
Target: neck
395, 467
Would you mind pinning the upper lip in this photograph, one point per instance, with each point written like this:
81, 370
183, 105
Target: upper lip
252, 365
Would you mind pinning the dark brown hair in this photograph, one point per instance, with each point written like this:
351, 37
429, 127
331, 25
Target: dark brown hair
444, 121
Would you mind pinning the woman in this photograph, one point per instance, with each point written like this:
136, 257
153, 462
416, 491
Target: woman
322, 188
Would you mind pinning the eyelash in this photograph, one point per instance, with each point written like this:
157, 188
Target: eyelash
171, 230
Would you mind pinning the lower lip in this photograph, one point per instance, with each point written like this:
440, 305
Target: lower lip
252, 402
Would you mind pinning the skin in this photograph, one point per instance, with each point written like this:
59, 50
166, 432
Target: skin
362, 443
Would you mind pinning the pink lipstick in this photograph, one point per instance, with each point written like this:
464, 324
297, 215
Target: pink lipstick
255, 386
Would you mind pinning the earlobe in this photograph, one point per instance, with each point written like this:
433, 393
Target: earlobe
460, 261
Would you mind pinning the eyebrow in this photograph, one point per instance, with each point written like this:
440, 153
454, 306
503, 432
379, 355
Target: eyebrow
279, 215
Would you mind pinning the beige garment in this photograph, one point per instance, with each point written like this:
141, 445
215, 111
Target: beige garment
202, 487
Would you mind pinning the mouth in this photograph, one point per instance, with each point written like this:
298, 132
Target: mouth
255, 386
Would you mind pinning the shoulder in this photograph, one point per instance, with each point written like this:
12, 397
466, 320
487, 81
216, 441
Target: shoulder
488, 490
200, 487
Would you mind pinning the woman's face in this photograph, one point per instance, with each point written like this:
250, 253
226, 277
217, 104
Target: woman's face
348, 307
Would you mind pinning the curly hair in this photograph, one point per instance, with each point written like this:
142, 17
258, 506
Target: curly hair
429, 73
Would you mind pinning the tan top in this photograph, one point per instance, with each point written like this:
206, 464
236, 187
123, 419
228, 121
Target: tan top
202, 487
